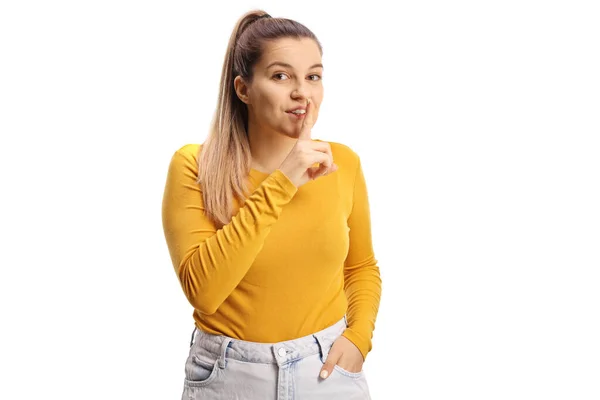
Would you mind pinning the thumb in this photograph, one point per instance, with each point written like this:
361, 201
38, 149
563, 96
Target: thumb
330, 362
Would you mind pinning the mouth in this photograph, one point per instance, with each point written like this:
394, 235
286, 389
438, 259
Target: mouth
295, 115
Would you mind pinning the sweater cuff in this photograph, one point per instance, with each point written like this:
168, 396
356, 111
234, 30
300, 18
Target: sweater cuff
363, 344
285, 182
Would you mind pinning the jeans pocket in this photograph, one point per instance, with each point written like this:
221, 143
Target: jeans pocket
349, 374
325, 346
200, 371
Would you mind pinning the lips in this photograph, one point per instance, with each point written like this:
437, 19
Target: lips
297, 108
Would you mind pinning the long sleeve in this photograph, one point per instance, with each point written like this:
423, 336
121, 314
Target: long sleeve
362, 281
210, 263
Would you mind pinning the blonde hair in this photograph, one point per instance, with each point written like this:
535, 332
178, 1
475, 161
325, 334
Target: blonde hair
224, 159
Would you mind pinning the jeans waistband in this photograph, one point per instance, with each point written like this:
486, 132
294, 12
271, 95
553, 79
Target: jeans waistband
209, 346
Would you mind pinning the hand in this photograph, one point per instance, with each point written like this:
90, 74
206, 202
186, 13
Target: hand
297, 166
345, 354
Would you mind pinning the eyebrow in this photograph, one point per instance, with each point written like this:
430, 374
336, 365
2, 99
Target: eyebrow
289, 66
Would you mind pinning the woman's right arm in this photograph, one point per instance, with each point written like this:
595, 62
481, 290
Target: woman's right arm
210, 263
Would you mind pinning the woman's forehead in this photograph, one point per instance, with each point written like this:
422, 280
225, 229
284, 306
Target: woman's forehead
291, 53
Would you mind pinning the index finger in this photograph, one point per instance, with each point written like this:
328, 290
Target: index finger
307, 123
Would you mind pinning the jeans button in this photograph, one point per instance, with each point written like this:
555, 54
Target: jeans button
281, 351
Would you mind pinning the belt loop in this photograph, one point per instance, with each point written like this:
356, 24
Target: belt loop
345, 321
223, 357
192, 339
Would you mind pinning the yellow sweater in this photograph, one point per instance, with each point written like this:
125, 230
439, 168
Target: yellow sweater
291, 262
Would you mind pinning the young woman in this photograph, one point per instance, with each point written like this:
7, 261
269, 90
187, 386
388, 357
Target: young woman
269, 232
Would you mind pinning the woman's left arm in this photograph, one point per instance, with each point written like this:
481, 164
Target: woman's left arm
362, 284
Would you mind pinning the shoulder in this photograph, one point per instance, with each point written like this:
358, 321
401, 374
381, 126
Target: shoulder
190, 150
187, 154
184, 160
343, 155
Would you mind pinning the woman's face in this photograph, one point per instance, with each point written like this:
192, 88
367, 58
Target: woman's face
277, 88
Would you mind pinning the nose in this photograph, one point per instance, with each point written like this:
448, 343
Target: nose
299, 93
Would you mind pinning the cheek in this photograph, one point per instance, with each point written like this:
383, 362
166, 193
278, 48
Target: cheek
317, 94
317, 108
265, 108
271, 104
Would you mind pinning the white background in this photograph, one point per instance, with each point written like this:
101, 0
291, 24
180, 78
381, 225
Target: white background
478, 127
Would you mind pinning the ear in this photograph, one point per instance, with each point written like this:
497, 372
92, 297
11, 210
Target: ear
241, 89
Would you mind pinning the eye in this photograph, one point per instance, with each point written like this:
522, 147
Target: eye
319, 77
